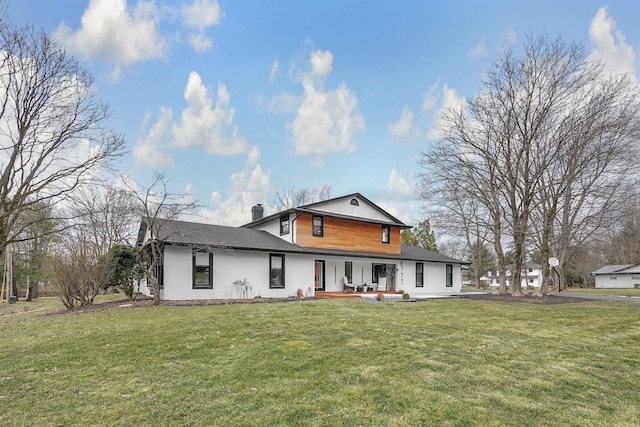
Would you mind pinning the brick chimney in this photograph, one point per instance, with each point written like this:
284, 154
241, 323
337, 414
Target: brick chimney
257, 211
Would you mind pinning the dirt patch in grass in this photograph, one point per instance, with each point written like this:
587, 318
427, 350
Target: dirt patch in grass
526, 299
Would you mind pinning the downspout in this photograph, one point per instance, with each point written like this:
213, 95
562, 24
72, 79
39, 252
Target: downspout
293, 228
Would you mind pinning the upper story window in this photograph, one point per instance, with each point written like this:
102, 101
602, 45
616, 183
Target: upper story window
318, 226
284, 224
354, 202
385, 233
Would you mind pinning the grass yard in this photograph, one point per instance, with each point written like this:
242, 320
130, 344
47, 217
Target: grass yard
325, 363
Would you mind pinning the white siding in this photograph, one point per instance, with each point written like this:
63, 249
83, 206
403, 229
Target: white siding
405, 277
618, 280
343, 206
228, 267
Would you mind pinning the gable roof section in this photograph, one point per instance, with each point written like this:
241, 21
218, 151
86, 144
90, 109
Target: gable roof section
316, 209
617, 269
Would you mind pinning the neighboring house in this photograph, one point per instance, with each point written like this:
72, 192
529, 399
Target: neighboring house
618, 276
531, 276
346, 242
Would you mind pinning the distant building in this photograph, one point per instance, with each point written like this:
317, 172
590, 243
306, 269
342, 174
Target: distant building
618, 276
531, 276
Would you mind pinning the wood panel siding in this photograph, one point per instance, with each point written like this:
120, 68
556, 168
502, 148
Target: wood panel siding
347, 235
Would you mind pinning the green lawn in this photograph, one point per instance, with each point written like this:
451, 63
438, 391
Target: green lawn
325, 363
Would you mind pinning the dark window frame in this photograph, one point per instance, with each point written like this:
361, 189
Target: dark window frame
348, 272
386, 234
271, 271
354, 202
284, 225
419, 275
195, 266
317, 231
374, 272
449, 275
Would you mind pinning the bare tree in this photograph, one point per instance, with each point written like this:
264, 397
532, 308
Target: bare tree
107, 215
52, 127
525, 147
291, 197
157, 205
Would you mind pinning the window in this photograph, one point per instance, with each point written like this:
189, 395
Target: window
449, 275
385, 234
348, 271
284, 224
318, 226
613, 277
202, 270
531, 270
276, 271
354, 202
419, 275
378, 270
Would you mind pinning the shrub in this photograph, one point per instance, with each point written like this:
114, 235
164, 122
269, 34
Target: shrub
405, 295
379, 297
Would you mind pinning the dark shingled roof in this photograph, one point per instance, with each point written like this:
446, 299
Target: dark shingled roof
191, 233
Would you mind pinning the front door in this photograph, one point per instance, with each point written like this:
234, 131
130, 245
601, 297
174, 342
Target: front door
319, 275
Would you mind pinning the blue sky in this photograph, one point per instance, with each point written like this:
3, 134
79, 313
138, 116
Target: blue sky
235, 99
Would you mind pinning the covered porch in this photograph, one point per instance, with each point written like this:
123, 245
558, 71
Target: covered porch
361, 294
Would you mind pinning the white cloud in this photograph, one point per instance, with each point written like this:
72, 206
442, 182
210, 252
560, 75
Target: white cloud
431, 97
610, 45
248, 187
151, 150
284, 102
403, 125
511, 36
325, 120
124, 35
275, 70
317, 163
321, 62
399, 199
398, 186
479, 50
200, 42
253, 156
201, 124
449, 101
113, 32
201, 14
198, 16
